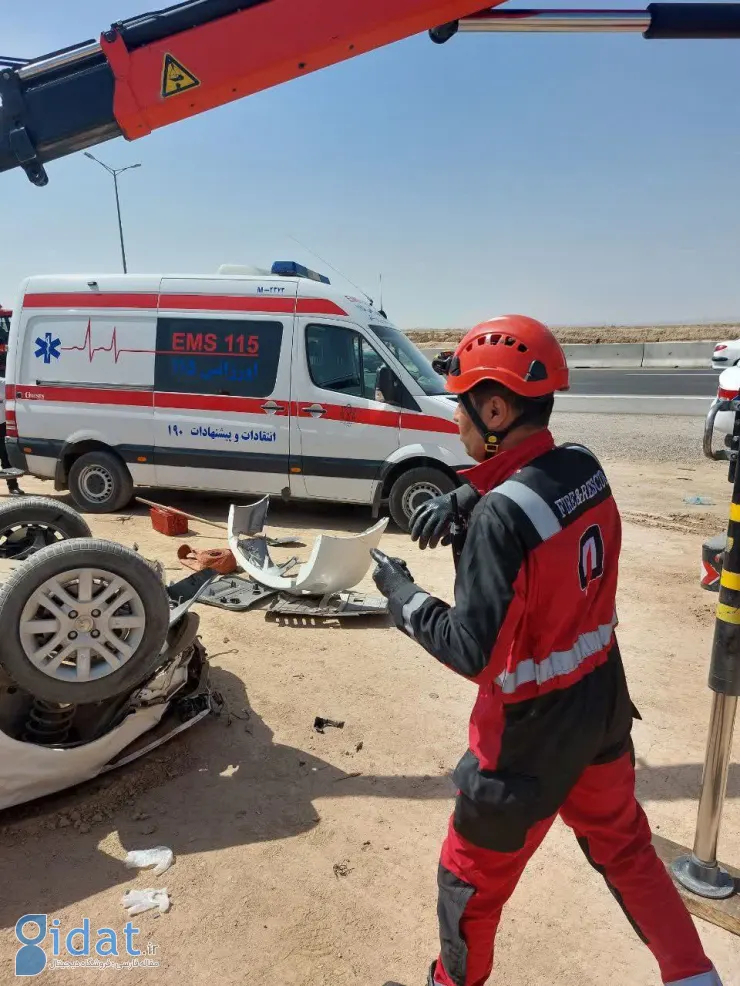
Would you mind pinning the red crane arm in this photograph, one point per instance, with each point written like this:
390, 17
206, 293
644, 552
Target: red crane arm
255, 49
168, 65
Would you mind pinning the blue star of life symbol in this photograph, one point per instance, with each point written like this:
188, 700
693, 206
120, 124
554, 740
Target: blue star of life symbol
48, 347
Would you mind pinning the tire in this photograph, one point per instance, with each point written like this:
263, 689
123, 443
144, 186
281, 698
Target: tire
35, 593
28, 525
412, 488
100, 483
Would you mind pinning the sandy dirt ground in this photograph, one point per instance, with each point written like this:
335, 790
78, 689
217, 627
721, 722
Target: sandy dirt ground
311, 859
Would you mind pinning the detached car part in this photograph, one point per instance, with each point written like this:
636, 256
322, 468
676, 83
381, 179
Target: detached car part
335, 563
248, 520
338, 604
235, 593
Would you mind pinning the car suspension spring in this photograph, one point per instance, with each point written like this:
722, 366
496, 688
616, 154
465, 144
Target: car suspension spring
48, 724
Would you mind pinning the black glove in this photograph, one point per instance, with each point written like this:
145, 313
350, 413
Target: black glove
431, 522
390, 573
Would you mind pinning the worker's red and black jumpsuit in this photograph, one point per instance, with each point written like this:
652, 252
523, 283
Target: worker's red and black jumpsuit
533, 626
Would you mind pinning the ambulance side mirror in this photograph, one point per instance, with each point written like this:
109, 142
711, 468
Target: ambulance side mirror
387, 386
390, 390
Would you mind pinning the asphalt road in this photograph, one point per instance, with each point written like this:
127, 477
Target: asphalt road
675, 392
642, 383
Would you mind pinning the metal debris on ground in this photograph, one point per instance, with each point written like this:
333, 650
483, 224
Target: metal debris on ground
320, 724
235, 593
249, 519
161, 858
220, 707
139, 901
187, 588
287, 566
291, 541
337, 604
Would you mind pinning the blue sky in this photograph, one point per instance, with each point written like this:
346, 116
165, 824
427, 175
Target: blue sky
579, 179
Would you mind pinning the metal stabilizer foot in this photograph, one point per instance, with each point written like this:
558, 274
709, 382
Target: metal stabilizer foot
703, 879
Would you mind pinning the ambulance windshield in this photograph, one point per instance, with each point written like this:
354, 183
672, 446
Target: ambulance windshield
412, 359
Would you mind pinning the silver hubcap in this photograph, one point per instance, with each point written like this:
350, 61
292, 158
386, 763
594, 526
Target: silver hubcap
82, 625
417, 494
96, 484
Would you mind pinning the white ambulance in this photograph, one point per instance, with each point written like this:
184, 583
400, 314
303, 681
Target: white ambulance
245, 382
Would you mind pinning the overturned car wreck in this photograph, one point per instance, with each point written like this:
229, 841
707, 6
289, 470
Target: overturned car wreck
97, 666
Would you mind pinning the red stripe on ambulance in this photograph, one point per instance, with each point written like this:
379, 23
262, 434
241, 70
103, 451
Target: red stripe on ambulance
91, 300
187, 303
244, 405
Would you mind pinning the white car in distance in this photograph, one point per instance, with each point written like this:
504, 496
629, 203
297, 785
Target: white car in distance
726, 354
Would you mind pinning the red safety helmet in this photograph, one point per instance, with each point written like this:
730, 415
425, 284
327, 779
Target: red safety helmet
514, 350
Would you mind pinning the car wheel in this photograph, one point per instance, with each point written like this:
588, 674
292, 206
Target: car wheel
82, 621
100, 483
28, 525
413, 488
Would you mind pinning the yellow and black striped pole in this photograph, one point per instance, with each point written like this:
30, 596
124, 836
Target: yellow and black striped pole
700, 871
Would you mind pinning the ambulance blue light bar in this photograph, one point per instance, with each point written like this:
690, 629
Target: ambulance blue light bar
289, 268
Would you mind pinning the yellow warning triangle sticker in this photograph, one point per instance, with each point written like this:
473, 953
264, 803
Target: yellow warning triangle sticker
176, 78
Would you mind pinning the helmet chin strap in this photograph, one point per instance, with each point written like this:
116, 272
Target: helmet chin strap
491, 439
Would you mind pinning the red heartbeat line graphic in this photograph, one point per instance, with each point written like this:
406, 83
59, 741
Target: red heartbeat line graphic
91, 350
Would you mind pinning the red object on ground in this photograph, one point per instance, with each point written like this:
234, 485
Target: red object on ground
167, 522
219, 560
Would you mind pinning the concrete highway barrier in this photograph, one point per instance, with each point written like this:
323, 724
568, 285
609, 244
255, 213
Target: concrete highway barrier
605, 355
628, 356
686, 355
694, 407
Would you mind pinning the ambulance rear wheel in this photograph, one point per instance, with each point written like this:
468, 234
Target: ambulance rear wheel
100, 483
413, 488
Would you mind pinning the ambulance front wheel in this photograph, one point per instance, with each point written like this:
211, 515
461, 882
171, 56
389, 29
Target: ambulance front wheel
415, 487
100, 483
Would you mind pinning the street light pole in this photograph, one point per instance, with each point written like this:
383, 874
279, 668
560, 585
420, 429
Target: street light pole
116, 172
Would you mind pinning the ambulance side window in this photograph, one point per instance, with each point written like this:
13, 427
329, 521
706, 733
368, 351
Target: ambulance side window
233, 357
342, 360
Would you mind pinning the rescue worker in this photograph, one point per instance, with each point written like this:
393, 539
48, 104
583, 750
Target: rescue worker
533, 627
13, 487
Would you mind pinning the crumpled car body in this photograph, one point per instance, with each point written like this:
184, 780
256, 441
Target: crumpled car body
175, 698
